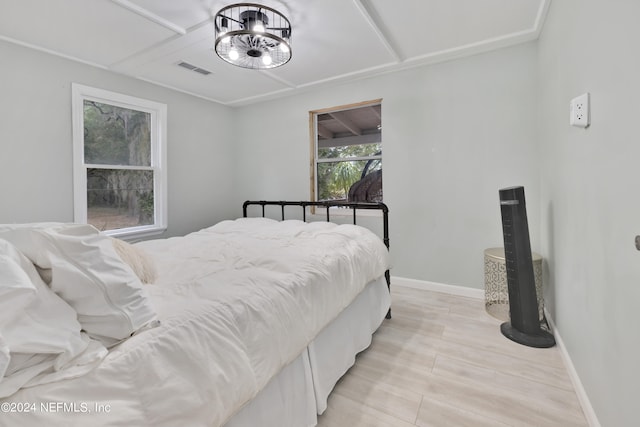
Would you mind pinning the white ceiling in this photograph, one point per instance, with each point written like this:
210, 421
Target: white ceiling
332, 40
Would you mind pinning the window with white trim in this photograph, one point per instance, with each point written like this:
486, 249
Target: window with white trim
119, 149
346, 161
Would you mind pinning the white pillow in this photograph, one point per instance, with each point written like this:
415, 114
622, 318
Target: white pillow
38, 327
4, 357
16, 289
23, 238
89, 275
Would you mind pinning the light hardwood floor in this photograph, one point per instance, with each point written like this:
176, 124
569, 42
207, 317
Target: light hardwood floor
442, 361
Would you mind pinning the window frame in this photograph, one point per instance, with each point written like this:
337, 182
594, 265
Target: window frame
313, 131
158, 133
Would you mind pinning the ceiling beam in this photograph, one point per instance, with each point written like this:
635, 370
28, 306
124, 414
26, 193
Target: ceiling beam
375, 111
345, 121
540, 18
145, 13
274, 76
324, 132
372, 138
375, 22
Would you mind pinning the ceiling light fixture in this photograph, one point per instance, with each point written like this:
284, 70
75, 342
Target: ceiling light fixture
250, 35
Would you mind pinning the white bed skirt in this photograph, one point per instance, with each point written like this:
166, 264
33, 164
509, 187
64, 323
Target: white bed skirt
300, 391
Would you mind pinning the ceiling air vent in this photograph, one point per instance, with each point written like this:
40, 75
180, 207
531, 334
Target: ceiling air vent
194, 68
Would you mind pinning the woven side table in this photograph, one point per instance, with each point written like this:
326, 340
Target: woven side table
496, 289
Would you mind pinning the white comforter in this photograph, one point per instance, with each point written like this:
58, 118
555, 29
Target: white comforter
237, 302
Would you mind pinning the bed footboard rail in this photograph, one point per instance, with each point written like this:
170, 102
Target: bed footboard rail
354, 206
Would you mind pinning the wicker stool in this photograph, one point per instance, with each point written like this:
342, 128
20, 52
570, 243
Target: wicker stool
496, 290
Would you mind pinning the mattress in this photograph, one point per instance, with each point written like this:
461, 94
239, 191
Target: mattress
237, 302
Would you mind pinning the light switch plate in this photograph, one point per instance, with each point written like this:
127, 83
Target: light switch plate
579, 115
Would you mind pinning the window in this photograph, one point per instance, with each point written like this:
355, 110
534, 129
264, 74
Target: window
347, 153
119, 147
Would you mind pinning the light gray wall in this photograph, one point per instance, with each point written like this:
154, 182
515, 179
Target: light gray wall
453, 134
36, 145
589, 189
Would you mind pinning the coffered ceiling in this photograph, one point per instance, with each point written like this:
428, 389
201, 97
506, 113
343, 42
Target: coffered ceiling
332, 40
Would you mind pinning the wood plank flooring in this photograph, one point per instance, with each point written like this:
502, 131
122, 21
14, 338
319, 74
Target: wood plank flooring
442, 361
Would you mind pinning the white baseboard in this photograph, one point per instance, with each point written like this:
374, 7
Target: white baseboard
437, 287
589, 413
585, 403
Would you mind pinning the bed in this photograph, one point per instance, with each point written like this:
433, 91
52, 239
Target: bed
248, 322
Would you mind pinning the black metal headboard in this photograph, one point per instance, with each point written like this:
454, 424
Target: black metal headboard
354, 206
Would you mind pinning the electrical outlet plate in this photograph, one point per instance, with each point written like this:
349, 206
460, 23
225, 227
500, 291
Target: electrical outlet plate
579, 115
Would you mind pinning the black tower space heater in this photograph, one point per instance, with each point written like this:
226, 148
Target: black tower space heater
524, 327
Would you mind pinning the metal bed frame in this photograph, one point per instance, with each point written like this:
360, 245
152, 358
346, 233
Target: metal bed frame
354, 206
